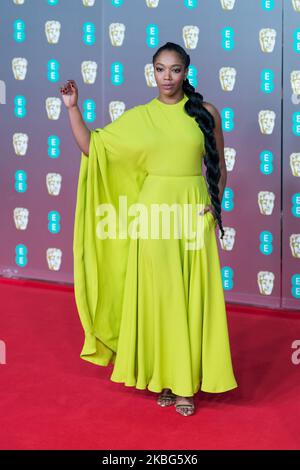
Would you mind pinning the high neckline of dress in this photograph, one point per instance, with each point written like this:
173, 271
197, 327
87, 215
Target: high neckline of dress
173, 105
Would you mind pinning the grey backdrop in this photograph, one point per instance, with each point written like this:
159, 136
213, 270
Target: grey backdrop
246, 19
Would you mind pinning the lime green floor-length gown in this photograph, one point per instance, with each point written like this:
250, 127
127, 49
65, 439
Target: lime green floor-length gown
150, 306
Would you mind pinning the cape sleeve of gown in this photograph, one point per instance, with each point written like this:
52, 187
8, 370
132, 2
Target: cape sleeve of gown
114, 167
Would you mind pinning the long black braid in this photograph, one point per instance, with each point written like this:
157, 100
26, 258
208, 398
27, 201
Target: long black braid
205, 121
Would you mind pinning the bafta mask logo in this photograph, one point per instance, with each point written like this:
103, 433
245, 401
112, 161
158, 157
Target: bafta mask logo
53, 182
190, 36
117, 34
19, 2
152, 3
227, 4
266, 120
2, 92
295, 164
229, 154
88, 3
267, 38
19, 67
227, 242
21, 215
116, 108
20, 143
52, 30
53, 107
295, 244
149, 75
265, 281
295, 81
54, 256
296, 5
266, 200
227, 77
89, 71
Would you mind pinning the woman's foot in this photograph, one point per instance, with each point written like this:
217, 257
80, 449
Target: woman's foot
185, 405
166, 398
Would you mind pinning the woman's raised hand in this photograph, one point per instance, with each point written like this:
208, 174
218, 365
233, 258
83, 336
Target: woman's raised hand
69, 92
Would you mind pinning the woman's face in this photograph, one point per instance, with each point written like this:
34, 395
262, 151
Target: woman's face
169, 70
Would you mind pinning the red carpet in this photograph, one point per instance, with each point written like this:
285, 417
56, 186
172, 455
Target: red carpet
52, 399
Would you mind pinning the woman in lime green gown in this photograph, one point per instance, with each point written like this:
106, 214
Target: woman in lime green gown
153, 307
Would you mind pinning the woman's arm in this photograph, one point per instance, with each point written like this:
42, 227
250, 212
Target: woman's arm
80, 131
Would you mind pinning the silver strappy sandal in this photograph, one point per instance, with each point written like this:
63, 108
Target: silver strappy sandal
166, 398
